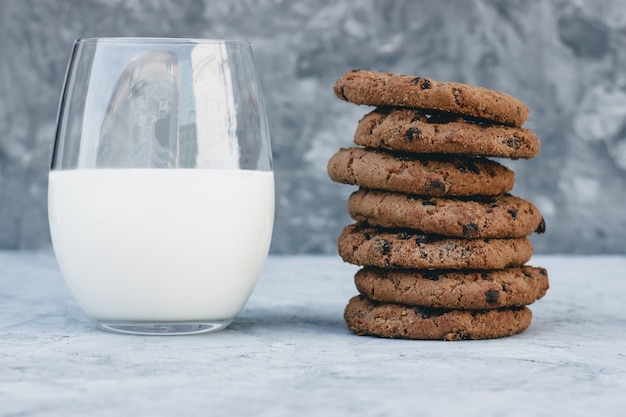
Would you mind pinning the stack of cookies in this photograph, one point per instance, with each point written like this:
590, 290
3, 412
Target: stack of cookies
442, 242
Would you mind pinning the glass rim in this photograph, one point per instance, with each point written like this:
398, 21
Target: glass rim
158, 40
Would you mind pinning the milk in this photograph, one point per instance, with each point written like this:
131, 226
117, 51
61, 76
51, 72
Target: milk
161, 244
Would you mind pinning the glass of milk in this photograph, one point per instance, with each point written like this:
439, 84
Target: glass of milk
161, 189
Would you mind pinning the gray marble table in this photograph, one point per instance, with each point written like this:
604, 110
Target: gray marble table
289, 353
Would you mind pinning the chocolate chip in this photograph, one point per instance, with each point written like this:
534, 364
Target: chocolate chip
543, 272
527, 274
428, 203
542, 226
382, 246
424, 83
470, 230
467, 166
513, 213
492, 296
513, 143
367, 236
412, 134
437, 187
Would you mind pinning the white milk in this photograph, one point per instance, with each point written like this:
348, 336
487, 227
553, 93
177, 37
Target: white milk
161, 244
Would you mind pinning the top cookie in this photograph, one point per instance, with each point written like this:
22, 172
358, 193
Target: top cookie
386, 89
410, 130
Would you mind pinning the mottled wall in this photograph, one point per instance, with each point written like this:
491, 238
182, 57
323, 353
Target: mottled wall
565, 59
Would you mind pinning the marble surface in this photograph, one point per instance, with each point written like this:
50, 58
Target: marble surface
289, 353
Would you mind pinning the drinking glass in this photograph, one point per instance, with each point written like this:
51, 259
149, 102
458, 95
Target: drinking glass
161, 189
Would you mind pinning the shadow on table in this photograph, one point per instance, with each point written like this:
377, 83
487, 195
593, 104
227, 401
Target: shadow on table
289, 319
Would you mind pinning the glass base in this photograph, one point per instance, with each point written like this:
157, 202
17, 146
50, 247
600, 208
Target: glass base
162, 328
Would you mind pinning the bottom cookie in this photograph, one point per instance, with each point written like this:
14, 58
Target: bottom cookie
365, 317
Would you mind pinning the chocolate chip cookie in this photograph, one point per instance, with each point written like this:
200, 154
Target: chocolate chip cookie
414, 174
384, 248
500, 216
473, 290
365, 317
410, 130
386, 89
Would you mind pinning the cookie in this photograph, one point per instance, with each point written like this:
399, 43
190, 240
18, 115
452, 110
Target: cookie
365, 317
412, 131
473, 290
386, 89
369, 246
415, 174
501, 216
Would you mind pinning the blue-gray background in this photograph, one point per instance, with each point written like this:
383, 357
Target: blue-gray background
565, 59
